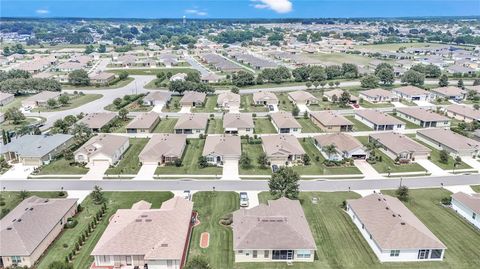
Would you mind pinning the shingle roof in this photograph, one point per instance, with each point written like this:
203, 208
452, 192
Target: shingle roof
143, 121
228, 98
398, 143
464, 111
285, 120
377, 117
281, 224
302, 96
106, 144
158, 96
411, 90
43, 96
197, 97
223, 145
192, 121
168, 145
282, 145
422, 114
35, 145
450, 139
342, 142
26, 226
329, 118
471, 201
97, 120
449, 91
392, 225
262, 96
378, 93
238, 120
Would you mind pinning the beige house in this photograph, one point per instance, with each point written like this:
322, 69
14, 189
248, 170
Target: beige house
285, 123
228, 100
396, 145
193, 99
238, 123
192, 124
329, 121
265, 98
449, 92
378, 96
102, 148
412, 93
163, 149
143, 123
95, 121
302, 98
379, 121
28, 230
217, 149
463, 113
338, 93
346, 146
143, 237
283, 149
423, 117
6, 98
455, 144
102, 78
274, 232
40, 99
157, 98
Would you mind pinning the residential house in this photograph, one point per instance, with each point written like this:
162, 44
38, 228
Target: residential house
463, 113
302, 98
379, 121
143, 123
157, 98
423, 117
102, 148
346, 146
144, 237
392, 231
412, 93
95, 121
29, 229
217, 149
210, 78
450, 92
238, 123
192, 124
273, 232
283, 149
193, 99
468, 206
400, 146
102, 78
265, 98
285, 123
378, 96
334, 95
40, 99
36, 149
228, 100
329, 121
6, 98
455, 144
163, 149
179, 77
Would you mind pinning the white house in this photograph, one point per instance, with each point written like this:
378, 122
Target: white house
101, 148
346, 146
468, 206
379, 121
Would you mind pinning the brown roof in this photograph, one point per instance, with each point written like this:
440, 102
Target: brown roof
143, 121
192, 121
471, 201
285, 120
329, 118
342, 142
167, 145
450, 139
377, 117
190, 96
105, 144
449, 91
223, 145
378, 93
302, 96
391, 224
280, 224
281, 145
238, 120
422, 114
97, 120
269, 97
158, 234
228, 98
464, 111
26, 226
411, 90
398, 143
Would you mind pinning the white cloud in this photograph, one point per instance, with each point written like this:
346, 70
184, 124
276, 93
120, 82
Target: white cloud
196, 12
279, 6
42, 11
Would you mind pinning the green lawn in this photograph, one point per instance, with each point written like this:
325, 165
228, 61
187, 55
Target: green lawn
131, 105
122, 127
9, 126
211, 206
339, 58
17, 102
358, 126
12, 199
396, 46
366, 104
253, 151
61, 167
264, 126
152, 71
75, 101
115, 201
284, 103
215, 126
173, 105
119, 84
129, 164
408, 124
210, 105
166, 125
435, 158
407, 103
248, 106
190, 161
476, 188
308, 126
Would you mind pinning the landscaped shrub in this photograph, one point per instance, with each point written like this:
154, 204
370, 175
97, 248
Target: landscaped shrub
71, 223
226, 219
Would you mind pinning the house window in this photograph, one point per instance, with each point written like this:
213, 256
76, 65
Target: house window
423, 254
363, 226
394, 253
436, 254
254, 255
16, 260
169, 264
370, 236
295, 129
240, 251
399, 126
210, 159
303, 254
474, 215
248, 129
266, 253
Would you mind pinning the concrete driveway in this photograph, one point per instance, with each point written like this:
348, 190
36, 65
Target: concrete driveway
423, 103
431, 167
185, 109
234, 109
146, 172
230, 170
97, 170
302, 108
461, 188
472, 162
18, 171
158, 108
367, 170
398, 104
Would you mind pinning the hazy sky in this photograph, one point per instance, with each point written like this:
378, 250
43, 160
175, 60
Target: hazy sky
237, 8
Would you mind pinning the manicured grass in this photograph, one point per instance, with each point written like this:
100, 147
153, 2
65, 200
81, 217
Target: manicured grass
75, 101
366, 104
17, 102
210, 105
152, 71
435, 158
166, 125
61, 167
253, 151
407, 103
211, 206
339, 58
308, 126
12, 199
284, 103
264, 126
122, 127
131, 105
118, 84
396, 46
215, 126
9, 126
358, 126
408, 124
476, 188
248, 106
114, 201
191, 154
173, 104
129, 164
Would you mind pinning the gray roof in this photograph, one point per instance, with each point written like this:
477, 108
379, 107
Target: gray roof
280, 224
158, 96
35, 145
26, 226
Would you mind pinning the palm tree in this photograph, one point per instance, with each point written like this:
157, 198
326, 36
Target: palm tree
23, 195
81, 129
329, 150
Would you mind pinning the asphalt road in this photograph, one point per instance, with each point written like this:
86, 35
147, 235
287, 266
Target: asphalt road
234, 185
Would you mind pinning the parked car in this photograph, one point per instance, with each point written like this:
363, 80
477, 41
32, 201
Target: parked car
243, 199
187, 195
355, 105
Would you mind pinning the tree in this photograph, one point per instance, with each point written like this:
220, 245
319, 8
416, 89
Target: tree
316, 84
308, 84
81, 129
413, 77
102, 48
284, 183
202, 161
60, 265
117, 102
243, 78
306, 159
443, 155
402, 193
245, 161
51, 102
79, 78
295, 111
63, 99
197, 262
123, 113
123, 75
460, 83
97, 195
23, 195
370, 82
89, 49
329, 150
344, 98
263, 160
235, 90
386, 76
15, 115
443, 81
